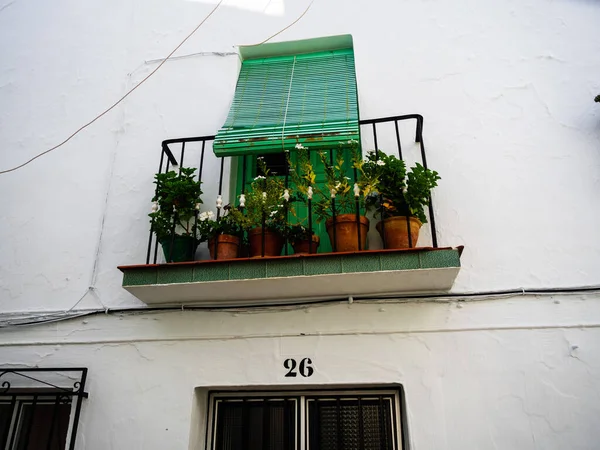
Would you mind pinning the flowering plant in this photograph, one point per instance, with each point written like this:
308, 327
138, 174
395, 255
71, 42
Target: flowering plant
175, 203
346, 192
266, 202
398, 192
210, 226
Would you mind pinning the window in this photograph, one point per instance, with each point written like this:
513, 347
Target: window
317, 420
31, 422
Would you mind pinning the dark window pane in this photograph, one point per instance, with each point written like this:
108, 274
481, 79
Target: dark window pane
343, 424
43, 426
6, 412
276, 164
255, 425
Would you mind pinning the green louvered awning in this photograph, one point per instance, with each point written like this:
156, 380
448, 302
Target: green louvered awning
284, 100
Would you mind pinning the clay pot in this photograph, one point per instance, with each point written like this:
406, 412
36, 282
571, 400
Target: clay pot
273, 243
303, 247
346, 232
396, 234
227, 246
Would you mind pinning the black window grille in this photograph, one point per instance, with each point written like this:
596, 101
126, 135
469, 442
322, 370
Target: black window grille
307, 421
40, 408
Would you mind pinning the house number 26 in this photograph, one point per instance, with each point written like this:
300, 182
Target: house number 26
305, 368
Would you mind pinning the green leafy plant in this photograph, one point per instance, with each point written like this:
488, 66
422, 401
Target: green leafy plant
398, 192
264, 203
209, 226
341, 187
176, 201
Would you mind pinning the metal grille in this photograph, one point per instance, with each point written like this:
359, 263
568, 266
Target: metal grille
36, 407
343, 420
255, 424
350, 424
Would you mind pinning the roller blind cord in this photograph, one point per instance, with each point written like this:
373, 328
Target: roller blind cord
287, 104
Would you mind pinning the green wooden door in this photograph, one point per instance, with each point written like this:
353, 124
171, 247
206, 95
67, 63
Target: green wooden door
276, 162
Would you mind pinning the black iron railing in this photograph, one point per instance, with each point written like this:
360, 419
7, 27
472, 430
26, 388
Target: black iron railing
40, 408
174, 151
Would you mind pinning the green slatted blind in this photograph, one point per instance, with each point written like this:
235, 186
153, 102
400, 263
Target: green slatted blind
279, 101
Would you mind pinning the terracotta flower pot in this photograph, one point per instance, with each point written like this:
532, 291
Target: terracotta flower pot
273, 243
346, 232
396, 234
227, 246
303, 247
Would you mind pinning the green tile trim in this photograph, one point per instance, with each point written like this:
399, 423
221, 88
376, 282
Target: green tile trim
172, 275
139, 277
439, 258
292, 267
285, 268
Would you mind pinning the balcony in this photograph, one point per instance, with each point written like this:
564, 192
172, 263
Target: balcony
326, 268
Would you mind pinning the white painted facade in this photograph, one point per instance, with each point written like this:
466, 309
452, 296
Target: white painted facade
506, 89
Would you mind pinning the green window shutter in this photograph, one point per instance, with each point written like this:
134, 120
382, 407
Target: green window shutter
280, 101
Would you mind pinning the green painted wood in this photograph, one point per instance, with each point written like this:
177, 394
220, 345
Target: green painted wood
285, 100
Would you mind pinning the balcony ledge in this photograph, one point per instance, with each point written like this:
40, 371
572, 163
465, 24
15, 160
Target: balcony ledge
295, 278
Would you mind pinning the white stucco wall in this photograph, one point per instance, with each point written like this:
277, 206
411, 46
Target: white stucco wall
506, 89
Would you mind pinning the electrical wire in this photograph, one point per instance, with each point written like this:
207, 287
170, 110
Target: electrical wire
144, 80
49, 317
120, 100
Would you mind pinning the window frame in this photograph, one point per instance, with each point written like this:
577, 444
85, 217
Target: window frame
394, 394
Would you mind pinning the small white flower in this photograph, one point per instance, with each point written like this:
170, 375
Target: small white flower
309, 193
242, 200
154, 207
347, 178
219, 201
352, 141
356, 190
197, 206
273, 213
380, 163
203, 216
260, 177
404, 190
337, 186
300, 147
286, 195
210, 215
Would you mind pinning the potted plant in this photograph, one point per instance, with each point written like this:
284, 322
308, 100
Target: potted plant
173, 217
262, 212
222, 233
399, 197
302, 180
343, 205
300, 238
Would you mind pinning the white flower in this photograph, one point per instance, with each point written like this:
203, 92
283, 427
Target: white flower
242, 200
260, 177
352, 141
380, 163
286, 195
219, 201
154, 207
210, 215
203, 216
347, 178
300, 147
197, 206
337, 186
273, 213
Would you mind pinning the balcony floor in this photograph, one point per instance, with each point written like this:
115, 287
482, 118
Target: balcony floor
294, 278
